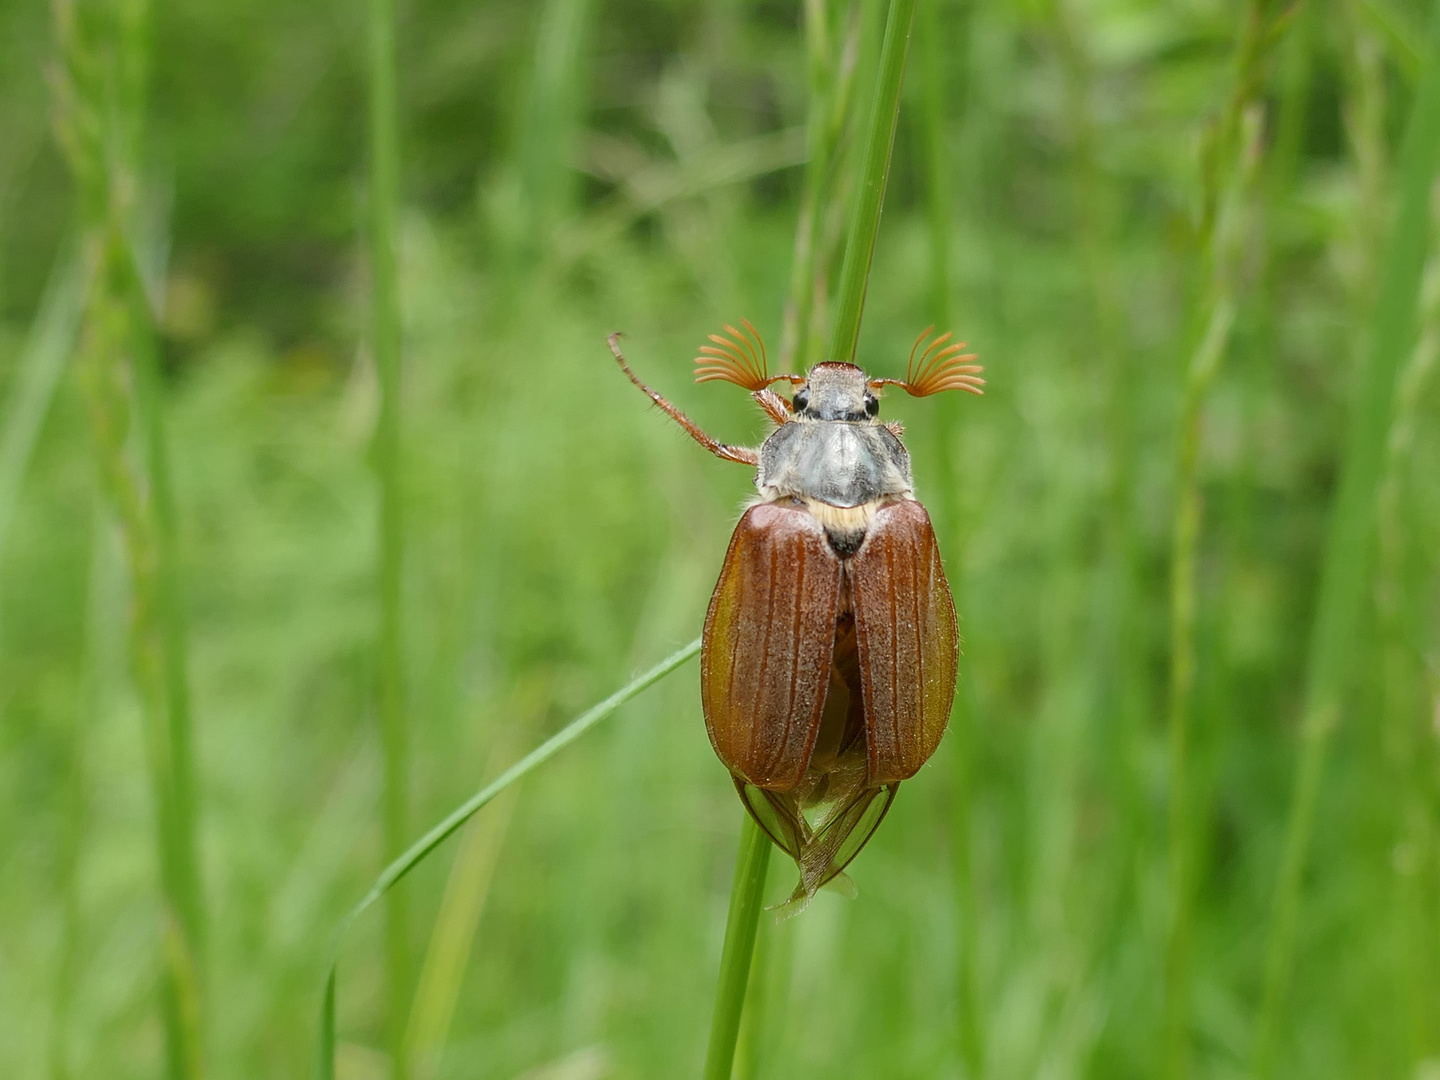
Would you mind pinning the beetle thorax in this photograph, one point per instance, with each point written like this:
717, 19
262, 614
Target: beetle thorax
835, 458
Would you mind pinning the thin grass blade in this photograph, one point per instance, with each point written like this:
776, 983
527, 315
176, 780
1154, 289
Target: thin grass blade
324, 1060
865, 221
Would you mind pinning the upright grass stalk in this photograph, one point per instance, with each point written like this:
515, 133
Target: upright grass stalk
1117, 698
747, 895
102, 604
323, 1062
1265, 313
553, 116
385, 342
830, 54
536, 192
934, 116
1406, 752
1345, 570
753, 856
1228, 166
1366, 125
865, 221
99, 88
937, 64
765, 1000
819, 64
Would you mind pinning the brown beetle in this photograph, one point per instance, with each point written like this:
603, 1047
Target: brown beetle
828, 663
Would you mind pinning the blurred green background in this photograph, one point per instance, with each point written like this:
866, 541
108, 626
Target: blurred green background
574, 167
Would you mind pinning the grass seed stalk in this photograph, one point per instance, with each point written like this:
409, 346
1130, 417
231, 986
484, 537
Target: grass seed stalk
1345, 574
385, 342
1229, 152
100, 105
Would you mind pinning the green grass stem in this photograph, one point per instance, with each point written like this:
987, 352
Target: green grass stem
1406, 757
323, 1066
820, 64
537, 189
865, 217
1120, 688
174, 637
385, 341
1345, 572
830, 54
1228, 168
753, 858
100, 582
764, 998
942, 66
935, 68
100, 93
747, 896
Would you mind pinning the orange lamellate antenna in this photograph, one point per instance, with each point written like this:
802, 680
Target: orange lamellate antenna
941, 366
739, 359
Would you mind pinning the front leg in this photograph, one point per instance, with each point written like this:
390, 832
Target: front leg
741, 454
776, 407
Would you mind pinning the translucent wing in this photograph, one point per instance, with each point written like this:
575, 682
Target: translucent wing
841, 836
769, 640
906, 634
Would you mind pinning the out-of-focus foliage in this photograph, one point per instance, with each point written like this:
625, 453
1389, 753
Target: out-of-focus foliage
572, 168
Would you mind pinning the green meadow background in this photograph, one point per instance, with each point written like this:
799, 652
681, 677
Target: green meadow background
569, 168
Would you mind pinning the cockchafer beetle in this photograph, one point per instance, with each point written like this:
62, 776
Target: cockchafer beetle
828, 663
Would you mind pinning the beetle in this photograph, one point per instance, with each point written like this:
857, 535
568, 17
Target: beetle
829, 656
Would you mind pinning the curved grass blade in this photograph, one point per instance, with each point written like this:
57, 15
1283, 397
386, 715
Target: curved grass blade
323, 1067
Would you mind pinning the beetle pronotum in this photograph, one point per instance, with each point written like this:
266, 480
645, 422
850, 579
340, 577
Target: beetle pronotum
828, 663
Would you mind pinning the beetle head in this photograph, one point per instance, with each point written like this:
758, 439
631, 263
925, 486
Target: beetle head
836, 392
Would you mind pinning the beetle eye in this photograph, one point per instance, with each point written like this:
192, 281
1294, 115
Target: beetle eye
872, 404
801, 400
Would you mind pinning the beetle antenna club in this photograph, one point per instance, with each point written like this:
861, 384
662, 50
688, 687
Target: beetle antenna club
940, 367
828, 662
739, 358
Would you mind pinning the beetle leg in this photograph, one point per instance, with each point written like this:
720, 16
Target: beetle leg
741, 454
776, 407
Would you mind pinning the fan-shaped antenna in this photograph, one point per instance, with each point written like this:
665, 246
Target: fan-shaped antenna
739, 358
940, 366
